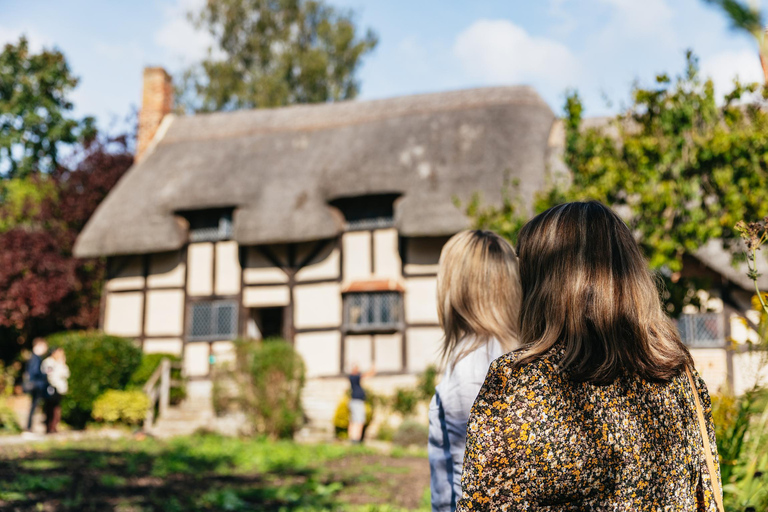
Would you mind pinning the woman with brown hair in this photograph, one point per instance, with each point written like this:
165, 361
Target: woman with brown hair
600, 409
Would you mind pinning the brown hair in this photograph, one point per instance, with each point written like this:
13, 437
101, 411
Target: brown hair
478, 293
586, 284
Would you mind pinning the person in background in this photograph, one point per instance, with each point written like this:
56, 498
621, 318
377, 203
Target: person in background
56, 369
357, 403
478, 297
35, 380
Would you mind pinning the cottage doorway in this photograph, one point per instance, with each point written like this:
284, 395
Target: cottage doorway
266, 323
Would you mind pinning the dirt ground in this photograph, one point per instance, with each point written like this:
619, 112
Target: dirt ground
69, 478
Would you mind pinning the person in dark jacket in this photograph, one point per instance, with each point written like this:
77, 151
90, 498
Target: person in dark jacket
38, 382
357, 403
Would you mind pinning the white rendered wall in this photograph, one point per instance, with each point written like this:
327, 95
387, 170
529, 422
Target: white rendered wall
386, 259
712, 364
165, 313
129, 274
122, 314
166, 270
320, 351
325, 268
227, 268
423, 347
164, 346
259, 270
357, 255
200, 260
317, 305
266, 296
421, 300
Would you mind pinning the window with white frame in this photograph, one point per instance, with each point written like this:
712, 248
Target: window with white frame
213, 320
373, 311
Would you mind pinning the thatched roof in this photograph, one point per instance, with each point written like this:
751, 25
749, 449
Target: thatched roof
279, 168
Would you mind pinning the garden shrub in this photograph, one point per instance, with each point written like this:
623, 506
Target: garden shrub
405, 401
97, 362
150, 363
341, 416
116, 406
385, 432
277, 377
8, 421
427, 383
411, 433
265, 382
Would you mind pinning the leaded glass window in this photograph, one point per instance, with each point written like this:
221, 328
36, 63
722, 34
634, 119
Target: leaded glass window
213, 320
702, 330
373, 311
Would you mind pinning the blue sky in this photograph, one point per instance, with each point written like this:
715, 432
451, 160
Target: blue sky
599, 47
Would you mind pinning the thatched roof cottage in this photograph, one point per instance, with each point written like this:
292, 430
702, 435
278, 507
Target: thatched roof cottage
318, 223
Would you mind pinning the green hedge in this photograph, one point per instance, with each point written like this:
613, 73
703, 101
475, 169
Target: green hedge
97, 362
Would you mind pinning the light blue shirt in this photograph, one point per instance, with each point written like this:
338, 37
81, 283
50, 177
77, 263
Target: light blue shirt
448, 417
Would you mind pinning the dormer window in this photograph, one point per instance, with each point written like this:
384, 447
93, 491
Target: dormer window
367, 212
210, 225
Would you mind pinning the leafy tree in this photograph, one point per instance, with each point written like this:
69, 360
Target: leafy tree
46, 289
270, 53
33, 110
680, 169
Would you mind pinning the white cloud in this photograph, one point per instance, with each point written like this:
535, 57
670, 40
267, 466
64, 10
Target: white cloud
641, 18
723, 67
498, 51
178, 37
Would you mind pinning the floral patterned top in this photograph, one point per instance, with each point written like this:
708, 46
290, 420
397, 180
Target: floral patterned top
539, 441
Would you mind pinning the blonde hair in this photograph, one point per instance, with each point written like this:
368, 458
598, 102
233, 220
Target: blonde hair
478, 293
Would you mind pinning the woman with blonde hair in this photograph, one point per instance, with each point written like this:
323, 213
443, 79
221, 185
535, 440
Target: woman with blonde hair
478, 297
600, 409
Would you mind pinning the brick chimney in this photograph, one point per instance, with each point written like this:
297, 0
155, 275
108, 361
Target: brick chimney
156, 103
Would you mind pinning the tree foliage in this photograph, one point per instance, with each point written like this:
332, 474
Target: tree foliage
34, 122
46, 289
679, 168
270, 53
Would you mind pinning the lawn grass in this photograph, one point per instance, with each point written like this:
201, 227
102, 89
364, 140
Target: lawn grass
206, 473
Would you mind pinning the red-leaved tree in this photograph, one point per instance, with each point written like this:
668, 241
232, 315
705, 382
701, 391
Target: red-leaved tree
46, 289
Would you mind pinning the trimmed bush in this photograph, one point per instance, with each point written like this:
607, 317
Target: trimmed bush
150, 363
115, 406
97, 362
411, 433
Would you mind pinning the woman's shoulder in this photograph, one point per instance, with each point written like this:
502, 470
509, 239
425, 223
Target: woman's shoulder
508, 374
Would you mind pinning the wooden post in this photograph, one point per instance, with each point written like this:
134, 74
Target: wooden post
165, 387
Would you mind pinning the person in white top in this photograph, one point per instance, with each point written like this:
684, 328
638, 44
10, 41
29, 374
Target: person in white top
478, 297
56, 369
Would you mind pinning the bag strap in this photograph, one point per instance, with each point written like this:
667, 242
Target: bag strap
707, 446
